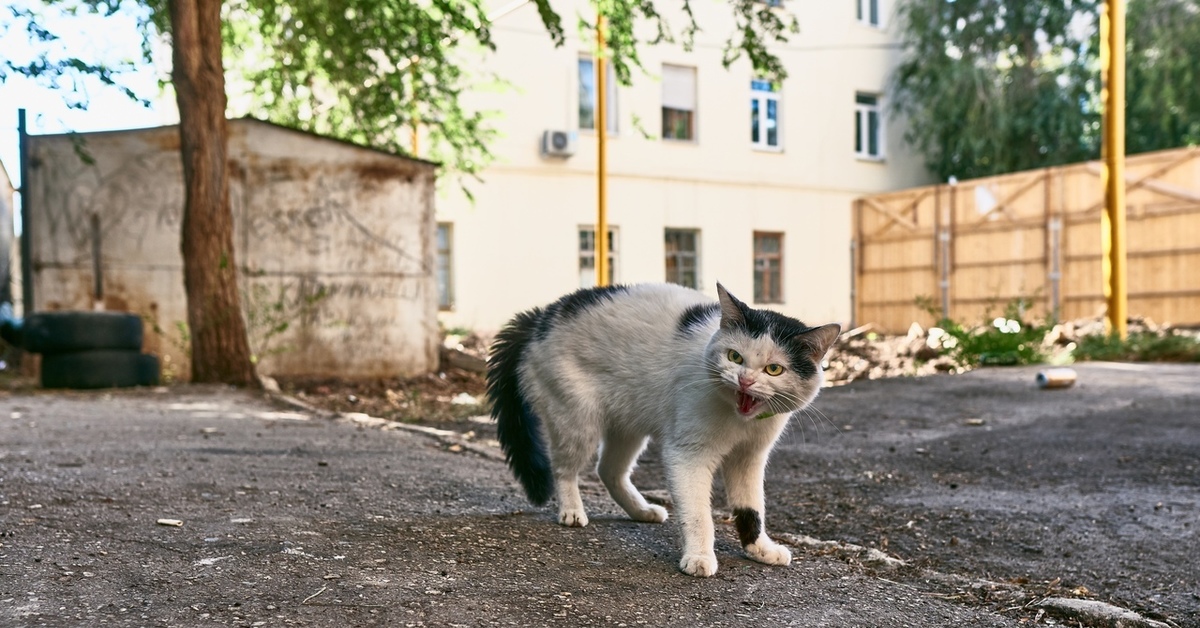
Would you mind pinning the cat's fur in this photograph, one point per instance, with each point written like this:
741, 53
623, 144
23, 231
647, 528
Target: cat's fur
607, 368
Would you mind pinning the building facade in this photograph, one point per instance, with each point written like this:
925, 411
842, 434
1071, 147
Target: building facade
713, 174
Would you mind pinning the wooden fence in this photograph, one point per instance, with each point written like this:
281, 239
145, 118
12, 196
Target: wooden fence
968, 249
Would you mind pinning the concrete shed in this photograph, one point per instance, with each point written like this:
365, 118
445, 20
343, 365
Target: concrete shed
335, 244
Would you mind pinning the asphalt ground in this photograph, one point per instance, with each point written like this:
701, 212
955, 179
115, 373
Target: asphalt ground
985, 499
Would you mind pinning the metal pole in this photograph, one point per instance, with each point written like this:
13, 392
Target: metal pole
26, 204
1112, 222
97, 263
601, 157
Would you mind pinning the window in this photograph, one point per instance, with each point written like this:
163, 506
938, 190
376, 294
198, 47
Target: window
682, 252
868, 127
868, 12
678, 103
768, 267
445, 277
587, 256
587, 95
764, 115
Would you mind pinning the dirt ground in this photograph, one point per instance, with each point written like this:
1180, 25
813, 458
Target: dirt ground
985, 501
902, 494
213, 507
949, 500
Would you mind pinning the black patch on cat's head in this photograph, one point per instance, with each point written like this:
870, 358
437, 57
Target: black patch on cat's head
805, 346
748, 524
696, 316
573, 304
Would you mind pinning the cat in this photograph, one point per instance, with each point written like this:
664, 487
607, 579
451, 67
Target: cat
608, 368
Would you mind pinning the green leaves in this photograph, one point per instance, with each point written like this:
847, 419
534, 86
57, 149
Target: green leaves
370, 71
46, 60
995, 86
992, 86
1162, 74
363, 71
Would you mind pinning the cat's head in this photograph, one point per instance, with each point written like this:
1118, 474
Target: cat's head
769, 363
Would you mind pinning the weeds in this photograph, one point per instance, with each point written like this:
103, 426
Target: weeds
269, 315
1009, 339
181, 340
1142, 346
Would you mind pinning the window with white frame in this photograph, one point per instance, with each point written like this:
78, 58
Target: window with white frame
683, 252
764, 115
587, 256
868, 12
587, 95
868, 127
445, 277
678, 103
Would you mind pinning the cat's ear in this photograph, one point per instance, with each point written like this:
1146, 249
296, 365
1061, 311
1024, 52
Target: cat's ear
818, 340
733, 312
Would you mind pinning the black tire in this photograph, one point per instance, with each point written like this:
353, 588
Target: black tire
99, 369
68, 332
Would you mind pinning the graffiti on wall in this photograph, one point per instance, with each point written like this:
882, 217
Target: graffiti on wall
135, 206
327, 213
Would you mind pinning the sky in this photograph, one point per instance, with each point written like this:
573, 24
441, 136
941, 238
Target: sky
109, 40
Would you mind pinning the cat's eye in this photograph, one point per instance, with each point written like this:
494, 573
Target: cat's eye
774, 369
734, 356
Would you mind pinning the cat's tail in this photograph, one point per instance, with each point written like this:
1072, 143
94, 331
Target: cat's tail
517, 427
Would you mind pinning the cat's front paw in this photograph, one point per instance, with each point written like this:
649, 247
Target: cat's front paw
699, 565
652, 514
769, 552
573, 517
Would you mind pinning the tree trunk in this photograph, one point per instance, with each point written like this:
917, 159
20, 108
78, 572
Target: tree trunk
220, 349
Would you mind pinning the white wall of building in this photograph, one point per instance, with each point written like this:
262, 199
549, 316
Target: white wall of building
517, 245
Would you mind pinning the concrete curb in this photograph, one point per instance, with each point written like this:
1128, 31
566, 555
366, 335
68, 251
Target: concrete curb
846, 551
1097, 614
446, 437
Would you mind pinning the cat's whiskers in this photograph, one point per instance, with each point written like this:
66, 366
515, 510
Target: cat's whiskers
819, 420
713, 377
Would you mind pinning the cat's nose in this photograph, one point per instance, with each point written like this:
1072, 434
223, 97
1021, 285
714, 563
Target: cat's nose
745, 381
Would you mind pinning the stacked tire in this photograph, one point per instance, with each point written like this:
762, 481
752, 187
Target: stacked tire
90, 349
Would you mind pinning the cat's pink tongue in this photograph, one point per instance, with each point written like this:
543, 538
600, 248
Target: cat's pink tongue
745, 402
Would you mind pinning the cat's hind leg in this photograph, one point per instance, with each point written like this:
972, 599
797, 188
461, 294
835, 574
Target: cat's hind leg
573, 446
618, 456
570, 506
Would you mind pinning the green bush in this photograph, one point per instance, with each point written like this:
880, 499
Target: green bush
1143, 346
1009, 339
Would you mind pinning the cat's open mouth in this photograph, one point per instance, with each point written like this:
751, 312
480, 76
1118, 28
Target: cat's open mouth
747, 404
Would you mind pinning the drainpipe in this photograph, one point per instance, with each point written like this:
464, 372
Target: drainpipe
97, 268
26, 259
601, 156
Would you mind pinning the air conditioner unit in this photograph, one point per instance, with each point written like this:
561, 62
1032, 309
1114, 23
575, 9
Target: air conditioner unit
559, 143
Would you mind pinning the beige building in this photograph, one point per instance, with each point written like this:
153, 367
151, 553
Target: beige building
713, 174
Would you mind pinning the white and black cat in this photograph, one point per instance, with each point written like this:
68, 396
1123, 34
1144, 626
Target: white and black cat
605, 369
